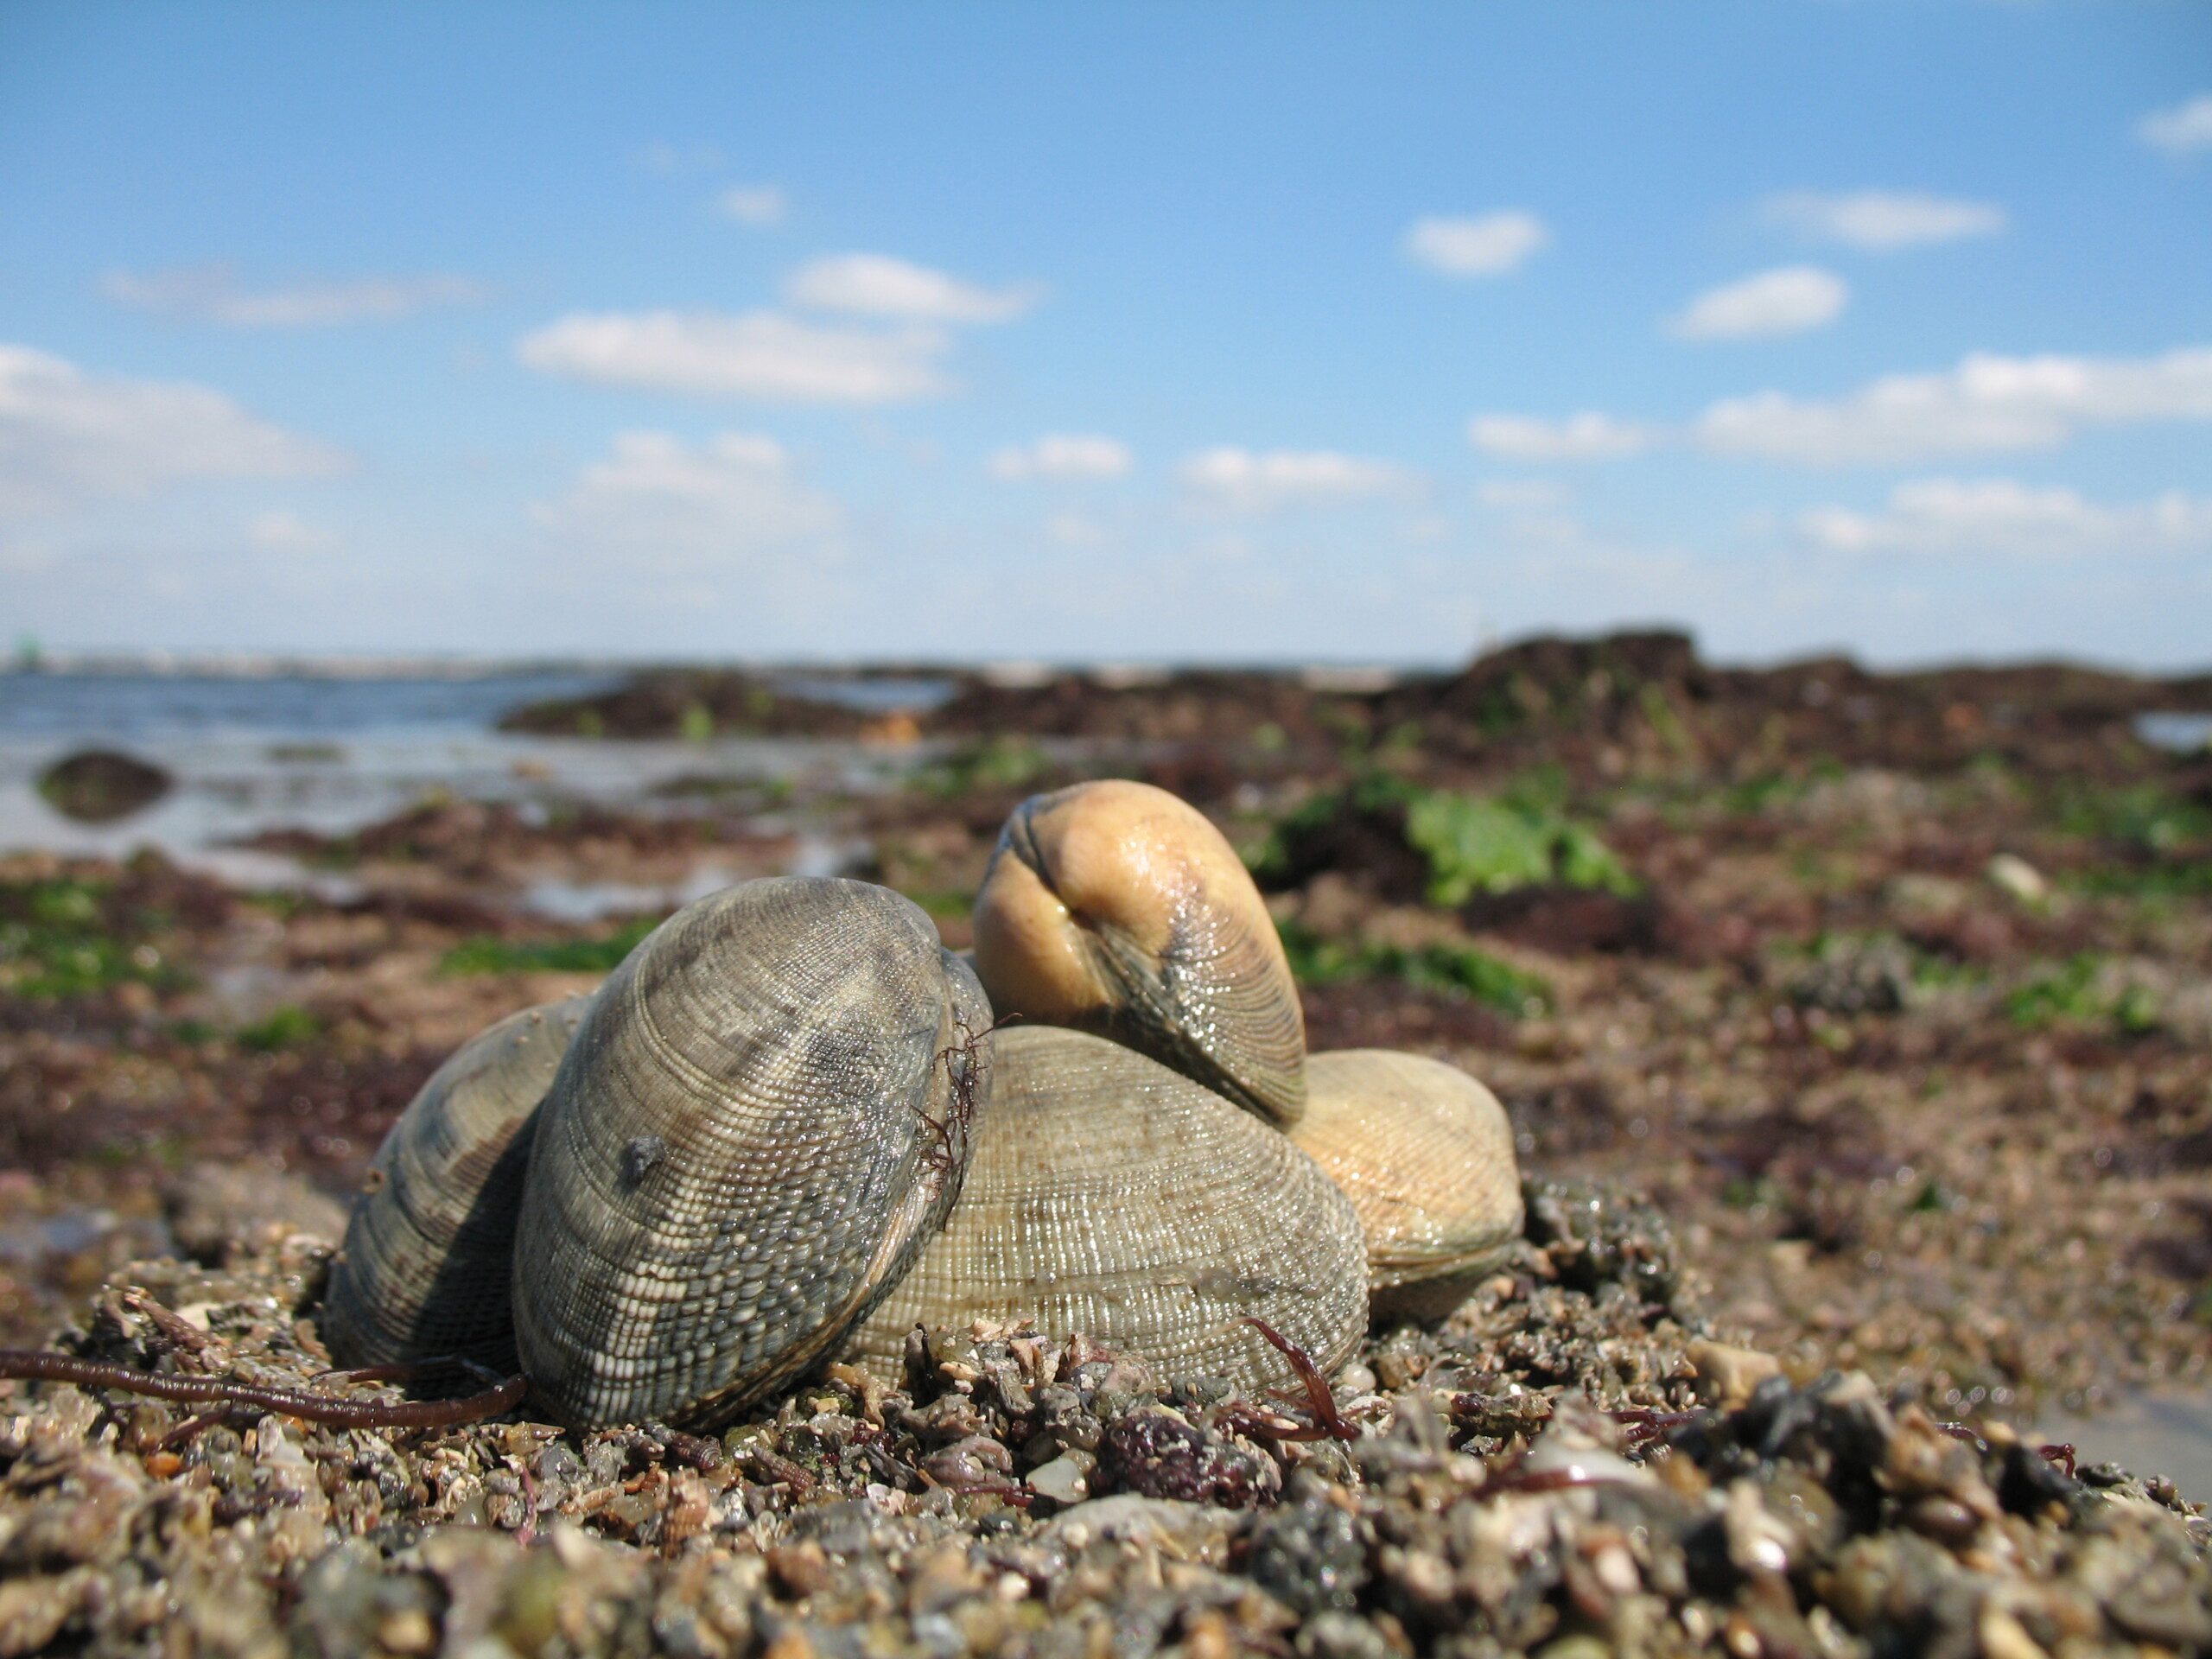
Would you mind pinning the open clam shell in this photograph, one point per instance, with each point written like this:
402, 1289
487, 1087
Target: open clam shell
1425, 1153
1114, 907
423, 1270
1113, 1197
762, 1118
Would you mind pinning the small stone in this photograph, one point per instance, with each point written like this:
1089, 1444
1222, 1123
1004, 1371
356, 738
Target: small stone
1341, 1636
1062, 1480
2003, 1637
409, 1629
1730, 1375
2017, 878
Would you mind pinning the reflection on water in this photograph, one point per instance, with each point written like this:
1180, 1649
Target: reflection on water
2147, 1435
158, 708
2182, 732
873, 696
333, 756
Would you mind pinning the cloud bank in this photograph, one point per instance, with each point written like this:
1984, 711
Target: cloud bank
68, 438
1243, 481
877, 285
762, 355
211, 293
1787, 301
1951, 517
1488, 245
1883, 221
1064, 457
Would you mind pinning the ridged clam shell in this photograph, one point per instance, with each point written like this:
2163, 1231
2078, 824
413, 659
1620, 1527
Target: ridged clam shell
1425, 1155
757, 1125
1114, 907
425, 1265
1113, 1197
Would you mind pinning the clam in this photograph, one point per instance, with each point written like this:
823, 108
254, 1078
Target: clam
762, 1117
1425, 1153
423, 1268
1113, 1197
1115, 908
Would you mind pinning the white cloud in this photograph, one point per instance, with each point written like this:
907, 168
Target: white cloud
1988, 402
279, 531
759, 354
877, 285
1787, 301
1519, 494
1489, 245
1946, 516
1246, 482
1882, 221
211, 293
753, 204
1586, 436
2180, 131
1064, 457
1072, 530
68, 438
676, 158
661, 505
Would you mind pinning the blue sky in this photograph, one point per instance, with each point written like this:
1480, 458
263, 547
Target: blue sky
1237, 332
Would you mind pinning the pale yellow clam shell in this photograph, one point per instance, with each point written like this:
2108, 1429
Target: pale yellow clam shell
1425, 1153
1115, 908
1112, 1196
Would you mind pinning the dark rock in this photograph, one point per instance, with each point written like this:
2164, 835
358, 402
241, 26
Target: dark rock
1310, 1556
100, 786
1157, 1455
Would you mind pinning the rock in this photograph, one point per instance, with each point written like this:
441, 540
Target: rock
99, 786
215, 1207
1128, 1518
1062, 1480
2015, 877
1726, 1375
1310, 1556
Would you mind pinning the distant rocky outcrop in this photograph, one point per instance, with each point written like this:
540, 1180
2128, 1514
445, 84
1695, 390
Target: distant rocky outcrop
100, 786
688, 703
1636, 701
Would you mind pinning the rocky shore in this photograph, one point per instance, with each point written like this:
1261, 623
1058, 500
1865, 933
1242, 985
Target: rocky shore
1569, 1466
1889, 993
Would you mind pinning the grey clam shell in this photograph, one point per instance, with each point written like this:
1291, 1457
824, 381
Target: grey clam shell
1111, 1196
424, 1267
762, 1118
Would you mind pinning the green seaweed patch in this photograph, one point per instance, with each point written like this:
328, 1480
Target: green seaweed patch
64, 937
1519, 837
2079, 992
943, 902
489, 955
1452, 969
289, 1026
2146, 818
1478, 844
2190, 878
995, 763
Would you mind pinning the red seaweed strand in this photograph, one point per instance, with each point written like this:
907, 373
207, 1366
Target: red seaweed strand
38, 1365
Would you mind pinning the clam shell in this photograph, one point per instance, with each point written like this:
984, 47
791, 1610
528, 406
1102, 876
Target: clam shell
423, 1270
762, 1118
1425, 1155
1114, 907
1112, 1196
